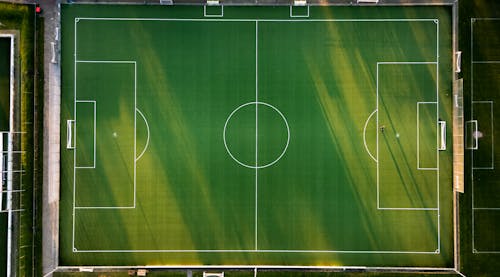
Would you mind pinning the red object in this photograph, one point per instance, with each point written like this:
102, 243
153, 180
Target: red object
38, 9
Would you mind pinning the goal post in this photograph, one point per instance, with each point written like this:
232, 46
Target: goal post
70, 142
442, 135
211, 274
213, 8
471, 135
299, 8
299, 2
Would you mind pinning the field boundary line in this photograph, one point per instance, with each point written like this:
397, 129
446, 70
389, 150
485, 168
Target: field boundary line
255, 251
250, 250
255, 19
253, 266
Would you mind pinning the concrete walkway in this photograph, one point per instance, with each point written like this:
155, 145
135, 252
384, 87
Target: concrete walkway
51, 134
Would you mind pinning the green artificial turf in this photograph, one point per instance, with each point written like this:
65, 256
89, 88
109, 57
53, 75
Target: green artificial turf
485, 79
256, 138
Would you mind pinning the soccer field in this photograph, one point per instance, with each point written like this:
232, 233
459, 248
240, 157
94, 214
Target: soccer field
241, 136
485, 72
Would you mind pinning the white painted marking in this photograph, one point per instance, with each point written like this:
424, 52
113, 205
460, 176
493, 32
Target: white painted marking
364, 136
257, 166
147, 140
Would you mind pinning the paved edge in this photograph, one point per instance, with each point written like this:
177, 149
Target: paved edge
51, 136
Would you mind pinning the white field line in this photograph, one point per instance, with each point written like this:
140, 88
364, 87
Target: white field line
213, 15
472, 20
74, 118
492, 119
437, 251
437, 140
147, 127
485, 62
135, 133
103, 207
251, 165
256, 133
108, 61
364, 135
485, 252
260, 266
378, 164
75, 207
253, 20
486, 18
299, 16
482, 101
406, 63
409, 209
254, 251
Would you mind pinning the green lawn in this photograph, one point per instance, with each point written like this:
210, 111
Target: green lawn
256, 138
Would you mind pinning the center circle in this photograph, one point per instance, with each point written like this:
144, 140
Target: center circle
242, 125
